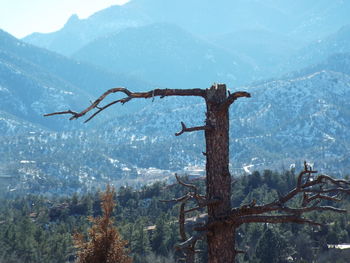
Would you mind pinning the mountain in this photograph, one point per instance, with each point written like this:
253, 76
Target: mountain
306, 118
338, 62
287, 121
27, 91
78, 32
90, 78
261, 37
320, 50
316, 20
10, 125
35, 81
38, 151
300, 116
300, 20
167, 55
264, 49
284, 123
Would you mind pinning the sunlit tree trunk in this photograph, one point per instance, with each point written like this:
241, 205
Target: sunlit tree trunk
220, 238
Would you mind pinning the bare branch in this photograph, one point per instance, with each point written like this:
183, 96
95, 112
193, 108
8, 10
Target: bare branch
275, 219
203, 204
129, 96
176, 200
101, 109
312, 208
191, 240
232, 97
306, 186
192, 186
62, 112
332, 190
323, 197
192, 129
311, 188
182, 221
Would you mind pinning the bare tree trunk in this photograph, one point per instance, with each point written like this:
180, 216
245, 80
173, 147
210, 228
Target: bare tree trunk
221, 237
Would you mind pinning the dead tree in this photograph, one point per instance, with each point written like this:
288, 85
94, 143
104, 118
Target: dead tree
221, 220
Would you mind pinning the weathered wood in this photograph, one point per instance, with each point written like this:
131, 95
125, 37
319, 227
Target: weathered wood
218, 179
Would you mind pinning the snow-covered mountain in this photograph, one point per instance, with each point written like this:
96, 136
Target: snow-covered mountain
306, 117
35, 81
302, 115
285, 122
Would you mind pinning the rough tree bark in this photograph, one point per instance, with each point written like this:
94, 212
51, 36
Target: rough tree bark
221, 220
218, 179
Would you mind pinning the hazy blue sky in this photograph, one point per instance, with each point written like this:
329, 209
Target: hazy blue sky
22, 17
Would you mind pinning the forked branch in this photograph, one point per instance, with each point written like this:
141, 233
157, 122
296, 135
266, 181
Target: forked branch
188, 244
312, 190
232, 97
129, 96
192, 129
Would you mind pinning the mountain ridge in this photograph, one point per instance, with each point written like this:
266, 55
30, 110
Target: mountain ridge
145, 52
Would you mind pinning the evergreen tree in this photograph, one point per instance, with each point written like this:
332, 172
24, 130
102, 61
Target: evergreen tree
105, 244
159, 237
269, 247
140, 245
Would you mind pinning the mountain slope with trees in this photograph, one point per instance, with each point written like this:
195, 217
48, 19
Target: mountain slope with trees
151, 226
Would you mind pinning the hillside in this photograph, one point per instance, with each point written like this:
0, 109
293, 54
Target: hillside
150, 225
285, 122
167, 55
268, 130
320, 50
35, 81
28, 90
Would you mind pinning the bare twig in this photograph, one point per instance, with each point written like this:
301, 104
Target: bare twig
62, 112
232, 97
192, 186
192, 129
177, 200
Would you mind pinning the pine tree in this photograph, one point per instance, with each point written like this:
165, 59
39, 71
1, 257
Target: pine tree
105, 244
158, 241
269, 248
140, 245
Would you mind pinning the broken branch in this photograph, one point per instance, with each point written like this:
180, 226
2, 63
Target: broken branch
232, 97
192, 129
